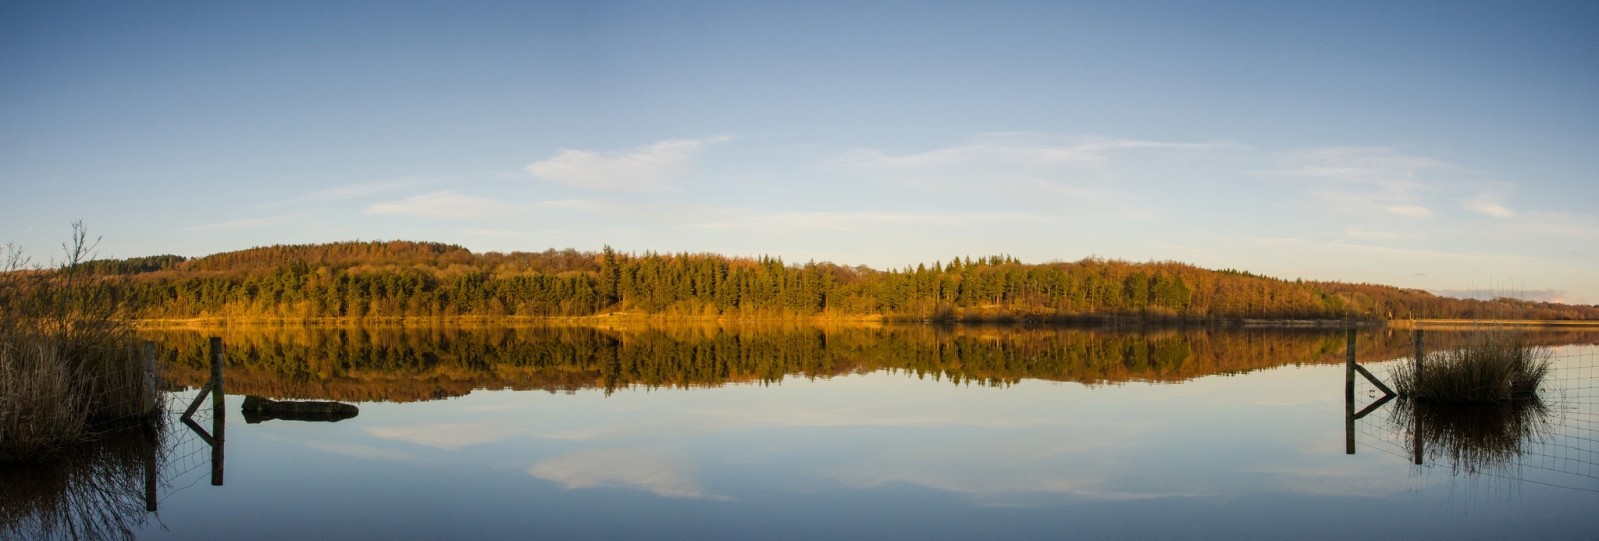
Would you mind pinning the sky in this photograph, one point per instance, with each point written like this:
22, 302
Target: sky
1445, 146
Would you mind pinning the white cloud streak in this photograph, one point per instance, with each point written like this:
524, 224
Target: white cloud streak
856, 221
1385, 167
648, 168
1366, 180
1078, 177
1541, 295
443, 204
1409, 211
1488, 204
248, 223
359, 190
1007, 148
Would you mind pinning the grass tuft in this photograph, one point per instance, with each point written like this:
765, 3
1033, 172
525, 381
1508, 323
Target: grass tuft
1490, 368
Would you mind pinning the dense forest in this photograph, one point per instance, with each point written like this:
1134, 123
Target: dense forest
361, 280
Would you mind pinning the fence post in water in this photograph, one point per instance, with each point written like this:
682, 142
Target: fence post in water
219, 411
1349, 367
218, 406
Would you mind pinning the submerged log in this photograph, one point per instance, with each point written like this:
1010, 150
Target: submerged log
257, 409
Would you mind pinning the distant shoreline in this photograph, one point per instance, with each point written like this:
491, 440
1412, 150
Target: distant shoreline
636, 318
1455, 324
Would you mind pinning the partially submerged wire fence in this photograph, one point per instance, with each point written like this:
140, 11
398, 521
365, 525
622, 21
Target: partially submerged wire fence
110, 487
1553, 440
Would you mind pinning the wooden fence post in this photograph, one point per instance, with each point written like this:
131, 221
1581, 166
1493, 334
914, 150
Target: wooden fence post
1349, 367
149, 378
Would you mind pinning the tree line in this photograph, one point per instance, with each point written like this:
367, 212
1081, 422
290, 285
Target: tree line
418, 279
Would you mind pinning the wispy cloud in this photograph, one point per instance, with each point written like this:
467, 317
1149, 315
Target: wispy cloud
443, 204
248, 223
1542, 295
1012, 149
643, 469
1489, 204
649, 167
348, 192
1560, 224
1409, 211
1077, 176
746, 219
362, 189
1366, 180
595, 206
1381, 166
1370, 234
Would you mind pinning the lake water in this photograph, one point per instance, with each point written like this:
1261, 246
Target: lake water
779, 432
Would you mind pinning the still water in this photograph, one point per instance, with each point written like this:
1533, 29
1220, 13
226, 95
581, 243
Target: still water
805, 433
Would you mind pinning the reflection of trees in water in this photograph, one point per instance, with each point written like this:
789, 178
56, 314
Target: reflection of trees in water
92, 491
1472, 438
408, 364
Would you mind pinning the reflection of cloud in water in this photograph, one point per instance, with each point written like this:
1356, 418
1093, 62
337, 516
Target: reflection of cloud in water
992, 483
1070, 459
444, 435
1353, 479
785, 415
366, 452
643, 469
857, 416
1302, 467
588, 433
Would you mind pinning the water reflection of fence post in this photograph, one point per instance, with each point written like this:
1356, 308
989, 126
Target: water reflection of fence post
151, 429
1416, 450
219, 411
1349, 394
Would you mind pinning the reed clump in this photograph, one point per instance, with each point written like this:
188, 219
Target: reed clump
69, 360
1491, 367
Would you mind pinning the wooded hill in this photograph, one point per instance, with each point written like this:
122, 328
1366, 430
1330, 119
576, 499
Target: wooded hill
420, 279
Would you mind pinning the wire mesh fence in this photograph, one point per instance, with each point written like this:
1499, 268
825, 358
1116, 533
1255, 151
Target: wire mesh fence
1553, 441
186, 460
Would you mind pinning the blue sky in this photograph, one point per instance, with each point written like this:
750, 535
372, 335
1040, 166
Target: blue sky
1446, 146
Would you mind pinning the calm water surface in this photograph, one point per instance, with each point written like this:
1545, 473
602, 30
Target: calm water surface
902, 433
